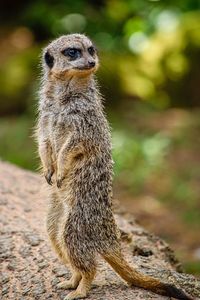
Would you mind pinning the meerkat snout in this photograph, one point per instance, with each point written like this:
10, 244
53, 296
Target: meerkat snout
70, 55
91, 63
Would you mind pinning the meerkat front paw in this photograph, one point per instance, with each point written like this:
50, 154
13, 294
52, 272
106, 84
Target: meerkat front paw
59, 180
62, 171
48, 175
61, 175
75, 295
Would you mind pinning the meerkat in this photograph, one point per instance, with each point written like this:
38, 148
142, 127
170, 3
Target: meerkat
74, 143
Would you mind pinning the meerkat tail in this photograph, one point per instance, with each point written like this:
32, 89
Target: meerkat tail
133, 277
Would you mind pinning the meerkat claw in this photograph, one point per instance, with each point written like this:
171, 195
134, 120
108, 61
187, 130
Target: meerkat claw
49, 181
48, 177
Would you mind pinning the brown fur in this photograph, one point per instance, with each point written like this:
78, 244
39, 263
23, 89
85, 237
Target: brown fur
75, 149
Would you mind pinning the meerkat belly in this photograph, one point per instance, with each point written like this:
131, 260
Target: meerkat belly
91, 187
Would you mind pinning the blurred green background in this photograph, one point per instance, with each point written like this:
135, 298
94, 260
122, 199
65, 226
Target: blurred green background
150, 76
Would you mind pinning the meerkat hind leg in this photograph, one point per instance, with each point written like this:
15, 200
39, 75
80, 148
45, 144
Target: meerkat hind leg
83, 287
72, 283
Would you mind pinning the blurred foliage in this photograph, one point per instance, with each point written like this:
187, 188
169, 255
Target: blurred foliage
137, 157
150, 49
17, 145
150, 65
159, 156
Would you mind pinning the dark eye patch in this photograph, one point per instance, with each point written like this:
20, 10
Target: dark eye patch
49, 59
73, 53
91, 50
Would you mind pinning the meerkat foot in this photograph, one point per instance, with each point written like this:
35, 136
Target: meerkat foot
72, 283
66, 285
77, 294
83, 287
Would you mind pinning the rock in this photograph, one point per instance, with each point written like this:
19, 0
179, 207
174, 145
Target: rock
12, 265
30, 269
142, 251
26, 291
38, 290
60, 271
27, 209
3, 200
42, 265
32, 238
5, 290
25, 251
4, 279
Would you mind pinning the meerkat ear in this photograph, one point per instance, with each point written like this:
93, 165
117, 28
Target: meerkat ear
49, 59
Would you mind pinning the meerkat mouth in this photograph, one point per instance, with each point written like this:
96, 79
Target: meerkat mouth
85, 68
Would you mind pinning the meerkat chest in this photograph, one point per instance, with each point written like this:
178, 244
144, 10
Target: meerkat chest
59, 129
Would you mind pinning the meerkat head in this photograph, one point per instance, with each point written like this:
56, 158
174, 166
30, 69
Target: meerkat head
70, 55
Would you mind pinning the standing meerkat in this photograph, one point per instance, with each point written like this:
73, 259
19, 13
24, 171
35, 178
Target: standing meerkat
75, 149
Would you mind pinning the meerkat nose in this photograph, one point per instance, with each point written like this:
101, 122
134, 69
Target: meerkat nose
91, 64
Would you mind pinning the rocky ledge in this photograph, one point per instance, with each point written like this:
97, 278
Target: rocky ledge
29, 268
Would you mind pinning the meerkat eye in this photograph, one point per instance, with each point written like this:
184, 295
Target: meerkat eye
91, 50
73, 53
49, 59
